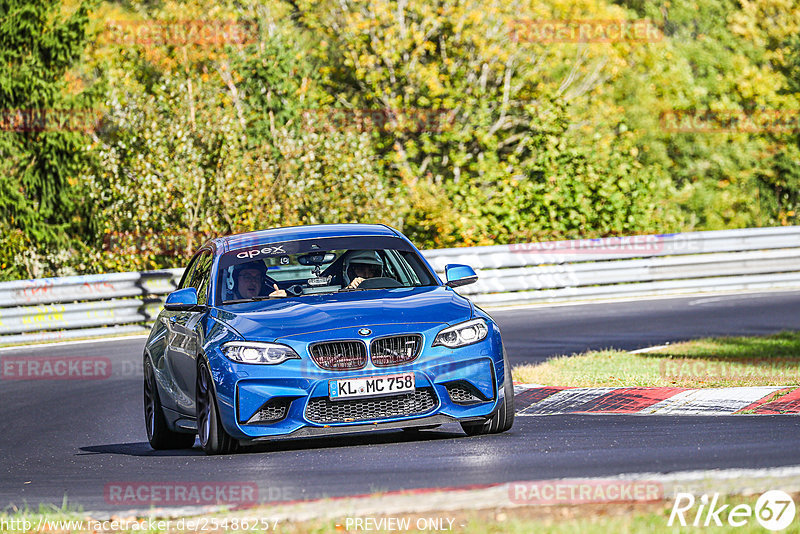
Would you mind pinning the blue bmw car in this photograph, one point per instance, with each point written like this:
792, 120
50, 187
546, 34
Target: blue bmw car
316, 331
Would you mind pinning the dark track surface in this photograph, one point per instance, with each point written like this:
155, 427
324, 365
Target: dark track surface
73, 437
533, 335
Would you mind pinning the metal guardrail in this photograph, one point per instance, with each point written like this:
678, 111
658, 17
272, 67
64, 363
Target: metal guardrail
557, 271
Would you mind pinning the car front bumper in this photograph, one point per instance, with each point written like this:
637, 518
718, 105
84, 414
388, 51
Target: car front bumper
244, 390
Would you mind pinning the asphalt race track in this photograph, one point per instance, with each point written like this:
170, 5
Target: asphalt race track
77, 437
536, 334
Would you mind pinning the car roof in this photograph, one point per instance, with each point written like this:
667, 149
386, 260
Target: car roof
293, 233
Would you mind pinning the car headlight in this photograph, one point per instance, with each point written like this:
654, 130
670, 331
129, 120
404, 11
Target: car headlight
263, 353
462, 334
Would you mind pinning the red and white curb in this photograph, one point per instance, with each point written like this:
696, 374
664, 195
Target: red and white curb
534, 399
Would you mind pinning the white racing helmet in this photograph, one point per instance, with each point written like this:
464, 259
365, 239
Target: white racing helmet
363, 257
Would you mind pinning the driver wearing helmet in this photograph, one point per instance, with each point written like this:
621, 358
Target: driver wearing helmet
250, 280
361, 265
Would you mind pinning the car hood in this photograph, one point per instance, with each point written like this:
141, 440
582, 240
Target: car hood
277, 318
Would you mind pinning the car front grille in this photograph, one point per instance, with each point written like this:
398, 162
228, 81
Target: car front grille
395, 350
339, 355
323, 410
464, 393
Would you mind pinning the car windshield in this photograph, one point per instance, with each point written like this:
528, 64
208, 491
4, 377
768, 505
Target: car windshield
319, 266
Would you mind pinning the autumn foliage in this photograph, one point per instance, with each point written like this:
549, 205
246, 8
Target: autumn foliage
458, 122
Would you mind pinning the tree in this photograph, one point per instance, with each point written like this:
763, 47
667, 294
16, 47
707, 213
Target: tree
719, 59
200, 141
480, 117
41, 142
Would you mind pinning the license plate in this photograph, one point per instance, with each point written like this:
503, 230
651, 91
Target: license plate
370, 386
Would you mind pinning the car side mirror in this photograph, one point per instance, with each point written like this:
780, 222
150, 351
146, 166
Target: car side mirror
459, 275
182, 300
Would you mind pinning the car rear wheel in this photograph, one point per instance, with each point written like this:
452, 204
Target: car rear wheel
158, 433
503, 419
213, 437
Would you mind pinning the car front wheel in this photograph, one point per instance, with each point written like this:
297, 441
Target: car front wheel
213, 437
158, 433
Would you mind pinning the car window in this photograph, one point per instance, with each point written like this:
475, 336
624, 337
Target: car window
416, 270
186, 279
201, 276
322, 266
401, 265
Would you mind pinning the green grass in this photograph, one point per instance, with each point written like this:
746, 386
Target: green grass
598, 518
717, 362
642, 518
12, 517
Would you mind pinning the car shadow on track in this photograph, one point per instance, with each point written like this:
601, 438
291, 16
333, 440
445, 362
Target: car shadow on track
383, 437
296, 444
141, 448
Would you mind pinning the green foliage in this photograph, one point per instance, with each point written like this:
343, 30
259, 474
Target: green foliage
278, 84
13, 247
39, 157
435, 117
216, 146
723, 56
496, 138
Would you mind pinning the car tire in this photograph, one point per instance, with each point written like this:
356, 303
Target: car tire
158, 433
503, 418
213, 437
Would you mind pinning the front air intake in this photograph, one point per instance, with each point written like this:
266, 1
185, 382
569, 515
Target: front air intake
324, 410
271, 412
395, 350
339, 355
462, 392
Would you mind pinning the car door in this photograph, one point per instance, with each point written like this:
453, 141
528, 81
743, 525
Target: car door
185, 334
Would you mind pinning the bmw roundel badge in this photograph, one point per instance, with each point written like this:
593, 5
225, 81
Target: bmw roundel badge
364, 332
